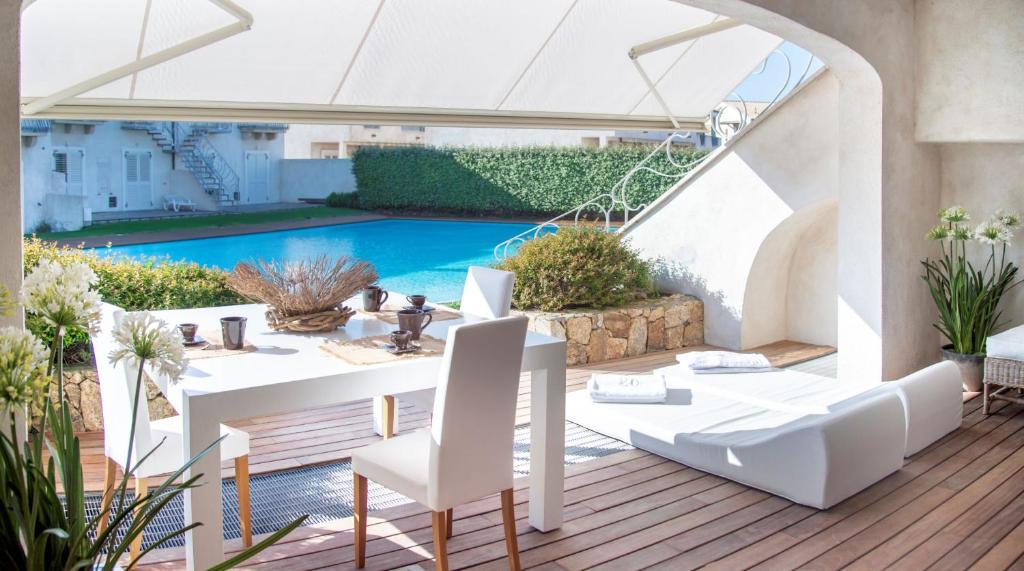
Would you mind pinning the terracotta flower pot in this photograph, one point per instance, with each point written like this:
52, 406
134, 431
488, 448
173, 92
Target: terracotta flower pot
972, 367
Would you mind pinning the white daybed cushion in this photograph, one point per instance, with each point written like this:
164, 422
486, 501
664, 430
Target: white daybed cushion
813, 459
932, 397
1007, 345
934, 400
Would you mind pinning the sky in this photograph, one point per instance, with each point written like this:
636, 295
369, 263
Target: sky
763, 87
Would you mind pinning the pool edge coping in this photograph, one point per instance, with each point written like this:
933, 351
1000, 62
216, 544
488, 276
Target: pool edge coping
139, 238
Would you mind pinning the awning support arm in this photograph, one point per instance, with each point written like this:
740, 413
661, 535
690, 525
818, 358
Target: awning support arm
672, 40
243, 24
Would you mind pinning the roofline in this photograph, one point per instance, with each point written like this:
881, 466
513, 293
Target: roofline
157, 110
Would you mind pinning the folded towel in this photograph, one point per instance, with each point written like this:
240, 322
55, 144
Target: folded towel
697, 360
627, 388
733, 370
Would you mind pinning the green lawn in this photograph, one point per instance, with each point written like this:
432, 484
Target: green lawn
190, 222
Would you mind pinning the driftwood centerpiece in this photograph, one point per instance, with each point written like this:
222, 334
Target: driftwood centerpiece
306, 296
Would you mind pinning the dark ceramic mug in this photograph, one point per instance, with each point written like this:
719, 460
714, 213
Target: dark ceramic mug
232, 329
188, 331
401, 339
373, 298
417, 301
412, 320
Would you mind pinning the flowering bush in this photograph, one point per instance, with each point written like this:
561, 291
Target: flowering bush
577, 267
968, 298
131, 285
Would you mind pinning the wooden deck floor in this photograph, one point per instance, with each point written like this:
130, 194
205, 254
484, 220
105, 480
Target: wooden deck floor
956, 505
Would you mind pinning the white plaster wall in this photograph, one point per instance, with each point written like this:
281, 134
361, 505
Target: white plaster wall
10, 156
970, 79
984, 178
811, 303
35, 180
315, 178
300, 137
232, 146
708, 231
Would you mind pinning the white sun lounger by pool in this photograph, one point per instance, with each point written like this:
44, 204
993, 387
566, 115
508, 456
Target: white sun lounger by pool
177, 204
811, 439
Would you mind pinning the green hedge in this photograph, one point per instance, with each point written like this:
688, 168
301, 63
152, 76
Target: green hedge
528, 180
133, 286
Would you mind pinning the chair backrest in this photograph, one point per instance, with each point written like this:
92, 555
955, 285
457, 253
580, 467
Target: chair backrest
475, 410
117, 395
487, 293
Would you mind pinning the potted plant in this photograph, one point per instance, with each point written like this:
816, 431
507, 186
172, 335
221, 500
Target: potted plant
966, 297
41, 528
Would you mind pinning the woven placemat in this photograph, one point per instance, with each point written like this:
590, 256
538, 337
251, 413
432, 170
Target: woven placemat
214, 347
370, 350
389, 314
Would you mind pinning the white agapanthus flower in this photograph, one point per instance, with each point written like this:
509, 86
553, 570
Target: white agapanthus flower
954, 214
960, 233
23, 358
143, 337
63, 295
1007, 219
989, 232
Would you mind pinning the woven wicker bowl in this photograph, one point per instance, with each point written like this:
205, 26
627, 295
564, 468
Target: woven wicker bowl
320, 322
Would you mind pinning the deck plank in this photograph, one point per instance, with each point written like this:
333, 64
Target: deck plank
955, 505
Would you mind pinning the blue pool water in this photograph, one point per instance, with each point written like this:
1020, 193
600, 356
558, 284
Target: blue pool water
411, 256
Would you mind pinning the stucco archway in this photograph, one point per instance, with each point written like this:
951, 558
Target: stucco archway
885, 179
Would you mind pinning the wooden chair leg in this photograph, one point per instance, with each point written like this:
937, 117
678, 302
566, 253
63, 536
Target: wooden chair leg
449, 517
388, 416
109, 477
244, 499
359, 486
440, 542
141, 489
508, 516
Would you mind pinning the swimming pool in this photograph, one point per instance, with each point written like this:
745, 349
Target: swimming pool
411, 256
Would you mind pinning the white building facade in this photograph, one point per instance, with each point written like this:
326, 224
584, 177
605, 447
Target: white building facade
72, 170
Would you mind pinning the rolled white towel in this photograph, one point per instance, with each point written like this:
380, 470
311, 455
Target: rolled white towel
698, 360
634, 389
732, 370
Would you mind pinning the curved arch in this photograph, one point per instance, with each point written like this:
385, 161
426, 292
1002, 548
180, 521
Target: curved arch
766, 309
865, 43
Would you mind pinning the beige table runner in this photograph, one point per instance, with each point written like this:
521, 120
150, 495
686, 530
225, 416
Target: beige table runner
389, 314
214, 347
370, 350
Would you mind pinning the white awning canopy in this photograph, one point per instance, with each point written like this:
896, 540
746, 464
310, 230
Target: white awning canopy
525, 63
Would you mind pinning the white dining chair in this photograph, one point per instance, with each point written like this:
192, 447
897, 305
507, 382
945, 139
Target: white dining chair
486, 294
161, 437
467, 453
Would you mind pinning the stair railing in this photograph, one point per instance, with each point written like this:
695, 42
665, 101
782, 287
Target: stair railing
210, 157
615, 200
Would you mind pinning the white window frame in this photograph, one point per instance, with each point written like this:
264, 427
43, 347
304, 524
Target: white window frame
67, 150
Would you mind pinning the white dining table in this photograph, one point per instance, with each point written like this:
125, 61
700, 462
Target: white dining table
291, 372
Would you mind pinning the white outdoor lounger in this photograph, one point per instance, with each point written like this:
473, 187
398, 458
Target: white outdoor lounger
811, 439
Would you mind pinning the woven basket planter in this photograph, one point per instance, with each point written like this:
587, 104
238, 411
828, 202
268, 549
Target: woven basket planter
320, 322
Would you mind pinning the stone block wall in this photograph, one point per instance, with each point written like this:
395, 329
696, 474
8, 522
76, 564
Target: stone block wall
595, 335
82, 390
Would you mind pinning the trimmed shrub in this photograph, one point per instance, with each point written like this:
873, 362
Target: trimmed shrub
528, 180
133, 285
343, 200
578, 267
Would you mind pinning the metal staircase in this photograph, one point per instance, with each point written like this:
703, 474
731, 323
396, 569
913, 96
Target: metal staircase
191, 145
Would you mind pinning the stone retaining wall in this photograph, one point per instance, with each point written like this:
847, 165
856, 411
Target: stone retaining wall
595, 335
82, 390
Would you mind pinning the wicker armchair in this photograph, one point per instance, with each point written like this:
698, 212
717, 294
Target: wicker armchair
1003, 376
